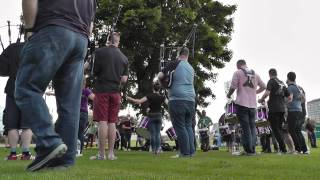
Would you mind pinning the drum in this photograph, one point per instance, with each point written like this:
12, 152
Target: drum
263, 130
142, 128
171, 134
225, 130
231, 114
262, 117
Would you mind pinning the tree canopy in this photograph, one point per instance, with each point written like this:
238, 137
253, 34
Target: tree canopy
146, 24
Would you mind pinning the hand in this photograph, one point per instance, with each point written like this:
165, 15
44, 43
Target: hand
28, 35
260, 100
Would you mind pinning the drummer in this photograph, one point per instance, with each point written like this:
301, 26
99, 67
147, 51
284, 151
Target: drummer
204, 122
277, 91
156, 101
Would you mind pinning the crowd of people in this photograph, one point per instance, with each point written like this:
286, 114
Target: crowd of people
57, 35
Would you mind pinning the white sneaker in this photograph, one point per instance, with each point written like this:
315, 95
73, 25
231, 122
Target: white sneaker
112, 157
175, 156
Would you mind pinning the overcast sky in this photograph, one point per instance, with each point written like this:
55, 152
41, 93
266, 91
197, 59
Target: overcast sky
267, 34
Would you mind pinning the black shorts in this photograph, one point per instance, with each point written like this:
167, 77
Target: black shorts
12, 115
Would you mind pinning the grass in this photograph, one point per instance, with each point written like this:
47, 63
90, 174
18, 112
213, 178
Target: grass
143, 165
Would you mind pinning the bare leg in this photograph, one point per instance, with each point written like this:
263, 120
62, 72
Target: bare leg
111, 139
102, 137
13, 138
26, 138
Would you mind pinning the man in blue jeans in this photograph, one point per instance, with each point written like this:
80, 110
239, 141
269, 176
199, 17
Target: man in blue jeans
246, 81
182, 101
55, 51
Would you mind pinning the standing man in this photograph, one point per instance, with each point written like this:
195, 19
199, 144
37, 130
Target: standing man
57, 33
277, 91
295, 114
111, 70
246, 81
9, 63
182, 101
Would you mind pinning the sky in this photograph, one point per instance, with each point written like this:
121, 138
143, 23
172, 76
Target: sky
267, 34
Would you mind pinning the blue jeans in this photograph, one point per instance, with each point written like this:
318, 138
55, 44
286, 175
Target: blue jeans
82, 127
181, 113
155, 128
247, 117
54, 53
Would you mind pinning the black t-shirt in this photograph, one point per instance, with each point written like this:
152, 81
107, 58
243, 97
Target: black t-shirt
109, 65
276, 101
9, 63
155, 102
75, 15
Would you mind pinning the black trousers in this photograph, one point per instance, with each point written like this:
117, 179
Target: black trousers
294, 124
276, 119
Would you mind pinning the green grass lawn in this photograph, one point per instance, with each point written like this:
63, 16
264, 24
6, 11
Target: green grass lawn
143, 165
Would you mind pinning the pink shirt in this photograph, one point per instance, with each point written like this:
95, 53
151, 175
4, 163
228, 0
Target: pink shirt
246, 96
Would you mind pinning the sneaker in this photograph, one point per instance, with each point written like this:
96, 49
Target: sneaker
56, 168
237, 153
175, 156
97, 157
79, 155
41, 160
11, 157
112, 157
26, 156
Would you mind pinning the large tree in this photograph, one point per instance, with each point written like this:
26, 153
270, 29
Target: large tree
146, 24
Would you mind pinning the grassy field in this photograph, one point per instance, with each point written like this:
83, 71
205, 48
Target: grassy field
143, 165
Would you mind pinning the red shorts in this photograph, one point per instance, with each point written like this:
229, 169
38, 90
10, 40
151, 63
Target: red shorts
106, 107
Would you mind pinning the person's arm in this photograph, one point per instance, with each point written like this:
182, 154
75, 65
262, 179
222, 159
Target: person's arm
30, 10
261, 84
264, 96
137, 101
125, 74
234, 85
91, 96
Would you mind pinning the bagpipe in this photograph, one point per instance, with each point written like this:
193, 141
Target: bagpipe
20, 32
166, 54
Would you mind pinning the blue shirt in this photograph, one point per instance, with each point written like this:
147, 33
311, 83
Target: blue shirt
295, 105
182, 84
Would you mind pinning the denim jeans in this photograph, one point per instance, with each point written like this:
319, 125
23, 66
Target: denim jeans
247, 117
82, 127
181, 113
54, 53
155, 128
295, 126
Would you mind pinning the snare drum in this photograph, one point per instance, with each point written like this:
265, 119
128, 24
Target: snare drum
231, 114
262, 117
263, 130
225, 130
171, 134
142, 128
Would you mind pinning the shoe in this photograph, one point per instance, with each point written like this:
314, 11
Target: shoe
306, 153
79, 155
237, 153
11, 157
56, 168
292, 152
97, 157
26, 156
41, 160
175, 156
112, 157
128, 150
